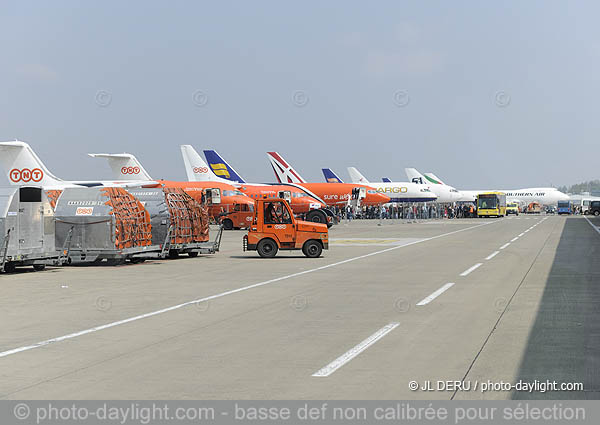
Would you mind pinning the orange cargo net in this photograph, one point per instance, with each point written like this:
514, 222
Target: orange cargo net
53, 197
132, 221
188, 217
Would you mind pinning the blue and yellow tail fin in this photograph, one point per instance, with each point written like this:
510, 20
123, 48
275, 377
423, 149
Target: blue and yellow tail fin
221, 168
330, 176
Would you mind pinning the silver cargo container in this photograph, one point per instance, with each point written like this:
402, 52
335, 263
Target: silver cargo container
154, 202
89, 229
163, 231
27, 229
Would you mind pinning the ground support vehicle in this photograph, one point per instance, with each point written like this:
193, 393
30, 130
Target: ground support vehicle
239, 218
534, 208
275, 228
512, 208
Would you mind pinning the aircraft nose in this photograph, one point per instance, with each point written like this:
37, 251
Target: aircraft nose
380, 198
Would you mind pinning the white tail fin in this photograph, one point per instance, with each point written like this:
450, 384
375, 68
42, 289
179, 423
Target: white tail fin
283, 171
196, 169
356, 177
24, 167
432, 178
124, 166
414, 176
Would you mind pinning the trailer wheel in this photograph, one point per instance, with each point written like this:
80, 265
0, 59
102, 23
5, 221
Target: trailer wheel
39, 267
316, 216
267, 248
227, 224
10, 267
597, 213
173, 253
312, 249
193, 254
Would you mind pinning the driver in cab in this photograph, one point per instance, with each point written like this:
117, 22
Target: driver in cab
275, 213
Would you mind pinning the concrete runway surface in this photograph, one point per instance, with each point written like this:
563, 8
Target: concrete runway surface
470, 300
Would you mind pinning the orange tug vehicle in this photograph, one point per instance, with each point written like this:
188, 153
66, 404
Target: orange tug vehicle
274, 227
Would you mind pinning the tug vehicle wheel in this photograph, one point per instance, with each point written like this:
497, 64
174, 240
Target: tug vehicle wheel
267, 248
312, 249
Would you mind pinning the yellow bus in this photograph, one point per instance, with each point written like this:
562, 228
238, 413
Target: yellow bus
491, 204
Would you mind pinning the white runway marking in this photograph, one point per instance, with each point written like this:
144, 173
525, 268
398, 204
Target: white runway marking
505, 245
436, 294
514, 239
223, 294
492, 255
521, 234
470, 269
371, 241
592, 224
355, 351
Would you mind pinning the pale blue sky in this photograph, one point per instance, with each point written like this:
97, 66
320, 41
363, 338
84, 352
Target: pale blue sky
503, 94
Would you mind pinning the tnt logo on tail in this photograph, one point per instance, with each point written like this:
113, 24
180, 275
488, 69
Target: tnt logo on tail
130, 170
26, 175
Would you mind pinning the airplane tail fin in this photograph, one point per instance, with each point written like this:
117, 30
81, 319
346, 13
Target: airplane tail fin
356, 177
124, 166
24, 167
414, 176
330, 176
433, 179
284, 172
196, 169
386, 180
221, 168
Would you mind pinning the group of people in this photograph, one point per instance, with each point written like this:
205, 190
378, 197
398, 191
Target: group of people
407, 211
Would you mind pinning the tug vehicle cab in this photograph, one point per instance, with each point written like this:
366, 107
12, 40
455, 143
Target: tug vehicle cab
239, 217
274, 227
